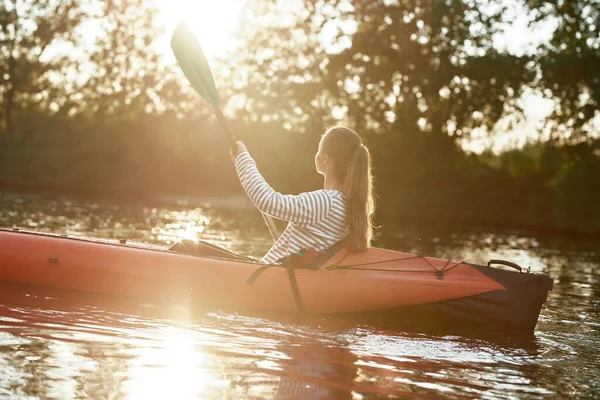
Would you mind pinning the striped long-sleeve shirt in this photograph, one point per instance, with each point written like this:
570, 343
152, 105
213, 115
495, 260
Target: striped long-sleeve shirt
317, 220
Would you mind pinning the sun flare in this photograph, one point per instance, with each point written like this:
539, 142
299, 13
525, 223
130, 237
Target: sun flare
212, 21
175, 367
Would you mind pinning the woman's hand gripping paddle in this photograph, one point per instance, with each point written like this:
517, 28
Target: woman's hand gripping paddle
195, 67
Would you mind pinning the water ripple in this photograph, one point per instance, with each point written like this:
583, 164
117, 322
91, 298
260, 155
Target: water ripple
62, 345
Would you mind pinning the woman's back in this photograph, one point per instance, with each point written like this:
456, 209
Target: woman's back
317, 220
326, 231
342, 210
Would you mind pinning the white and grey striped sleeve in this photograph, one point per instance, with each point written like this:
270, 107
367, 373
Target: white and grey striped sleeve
303, 209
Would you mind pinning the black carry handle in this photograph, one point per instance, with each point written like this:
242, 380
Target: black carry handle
506, 263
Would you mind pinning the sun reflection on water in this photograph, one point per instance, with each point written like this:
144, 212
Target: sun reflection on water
179, 225
176, 368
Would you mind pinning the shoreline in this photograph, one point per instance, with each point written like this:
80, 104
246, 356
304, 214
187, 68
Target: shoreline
240, 202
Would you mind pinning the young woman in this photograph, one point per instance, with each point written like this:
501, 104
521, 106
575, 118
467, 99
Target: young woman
343, 209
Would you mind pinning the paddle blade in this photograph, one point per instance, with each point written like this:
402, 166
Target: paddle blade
193, 63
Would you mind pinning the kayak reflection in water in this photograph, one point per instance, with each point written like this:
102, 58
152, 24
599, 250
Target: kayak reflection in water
343, 209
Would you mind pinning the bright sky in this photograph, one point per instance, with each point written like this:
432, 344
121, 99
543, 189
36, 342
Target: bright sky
213, 21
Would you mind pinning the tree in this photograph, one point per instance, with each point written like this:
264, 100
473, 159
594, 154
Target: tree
424, 68
28, 29
570, 62
127, 74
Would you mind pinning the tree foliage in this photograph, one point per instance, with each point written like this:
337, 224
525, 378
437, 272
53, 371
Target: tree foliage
424, 67
127, 74
570, 61
28, 29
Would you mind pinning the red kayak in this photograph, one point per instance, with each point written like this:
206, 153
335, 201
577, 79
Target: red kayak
378, 284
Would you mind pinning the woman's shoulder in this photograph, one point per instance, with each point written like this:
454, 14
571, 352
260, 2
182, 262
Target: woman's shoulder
334, 193
324, 193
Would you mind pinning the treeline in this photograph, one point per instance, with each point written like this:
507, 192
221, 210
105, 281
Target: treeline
90, 105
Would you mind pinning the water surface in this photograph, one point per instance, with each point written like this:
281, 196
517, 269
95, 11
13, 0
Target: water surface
64, 345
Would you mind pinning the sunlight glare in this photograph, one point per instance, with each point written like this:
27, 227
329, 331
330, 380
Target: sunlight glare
213, 22
176, 368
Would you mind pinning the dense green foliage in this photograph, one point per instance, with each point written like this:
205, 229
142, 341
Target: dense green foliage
415, 78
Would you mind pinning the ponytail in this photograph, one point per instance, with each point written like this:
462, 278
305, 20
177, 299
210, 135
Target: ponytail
353, 167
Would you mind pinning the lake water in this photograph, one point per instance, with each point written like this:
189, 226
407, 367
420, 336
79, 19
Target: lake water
65, 345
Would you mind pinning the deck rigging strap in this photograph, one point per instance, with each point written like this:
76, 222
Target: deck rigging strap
294, 262
295, 289
291, 264
291, 276
439, 273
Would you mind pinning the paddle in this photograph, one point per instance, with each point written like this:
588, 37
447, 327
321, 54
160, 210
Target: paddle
195, 67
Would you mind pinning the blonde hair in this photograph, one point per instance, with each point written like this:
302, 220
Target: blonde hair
352, 166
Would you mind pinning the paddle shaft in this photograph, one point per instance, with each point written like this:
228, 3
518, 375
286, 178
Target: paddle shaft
226, 129
233, 146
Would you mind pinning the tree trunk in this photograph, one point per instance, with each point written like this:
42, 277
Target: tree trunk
7, 109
